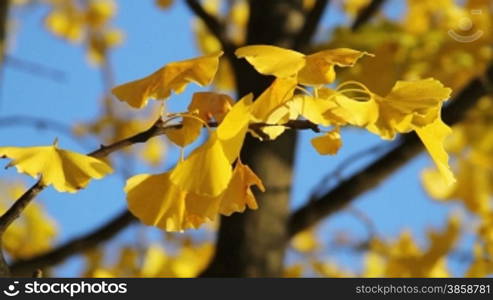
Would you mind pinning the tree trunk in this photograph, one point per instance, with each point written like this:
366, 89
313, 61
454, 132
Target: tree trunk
4, 9
252, 244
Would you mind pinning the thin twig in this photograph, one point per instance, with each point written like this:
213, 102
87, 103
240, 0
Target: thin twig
159, 128
35, 69
42, 124
367, 13
344, 165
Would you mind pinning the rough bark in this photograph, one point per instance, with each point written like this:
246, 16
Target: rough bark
252, 244
4, 9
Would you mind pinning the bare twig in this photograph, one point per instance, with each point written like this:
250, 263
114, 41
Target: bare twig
403, 150
40, 123
367, 13
309, 28
345, 164
35, 69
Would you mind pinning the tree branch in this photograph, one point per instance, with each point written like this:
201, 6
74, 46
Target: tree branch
75, 246
214, 26
403, 150
367, 13
159, 128
309, 28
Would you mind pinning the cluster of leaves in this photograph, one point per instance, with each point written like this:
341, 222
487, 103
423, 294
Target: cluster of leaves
400, 258
87, 22
180, 199
188, 260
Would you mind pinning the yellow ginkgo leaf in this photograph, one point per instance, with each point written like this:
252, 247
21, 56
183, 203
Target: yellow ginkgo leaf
314, 69
156, 201
277, 94
67, 171
272, 60
238, 194
187, 134
210, 105
418, 97
312, 108
410, 104
232, 130
349, 111
319, 67
206, 172
328, 144
433, 137
172, 77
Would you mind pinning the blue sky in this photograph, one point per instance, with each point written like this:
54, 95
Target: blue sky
153, 38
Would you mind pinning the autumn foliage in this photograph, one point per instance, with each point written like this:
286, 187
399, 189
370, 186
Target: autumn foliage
391, 77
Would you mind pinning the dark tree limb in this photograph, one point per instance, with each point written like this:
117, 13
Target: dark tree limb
367, 13
312, 21
75, 246
214, 26
404, 149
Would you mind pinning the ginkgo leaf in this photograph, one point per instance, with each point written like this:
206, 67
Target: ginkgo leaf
328, 144
433, 137
206, 172
238, 195
314, 69
410, 104
210, 105
187, 134
420, 97
232, 130
67, 171
156, 201
312, 108
172, 77
349, 111
319, 67
272, 60
277, 94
